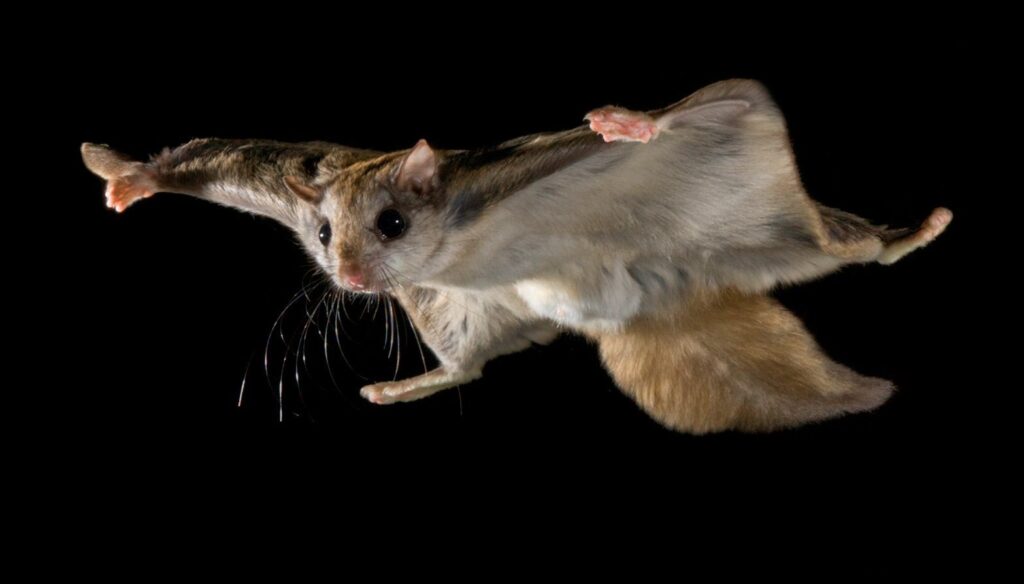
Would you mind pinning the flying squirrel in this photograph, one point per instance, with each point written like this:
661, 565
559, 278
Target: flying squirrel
657, 235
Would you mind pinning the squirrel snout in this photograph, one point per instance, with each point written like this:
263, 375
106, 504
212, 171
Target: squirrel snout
352, 275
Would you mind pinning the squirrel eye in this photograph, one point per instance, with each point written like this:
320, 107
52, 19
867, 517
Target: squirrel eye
325, 233
390, 224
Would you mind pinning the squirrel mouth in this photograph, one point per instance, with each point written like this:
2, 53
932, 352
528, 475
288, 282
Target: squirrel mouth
362, 282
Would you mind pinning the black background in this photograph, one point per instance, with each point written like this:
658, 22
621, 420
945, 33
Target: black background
158, 313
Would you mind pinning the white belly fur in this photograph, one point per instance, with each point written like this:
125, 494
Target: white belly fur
599, 297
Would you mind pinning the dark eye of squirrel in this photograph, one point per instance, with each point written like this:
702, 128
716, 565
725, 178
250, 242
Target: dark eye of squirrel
325, 233
390, 224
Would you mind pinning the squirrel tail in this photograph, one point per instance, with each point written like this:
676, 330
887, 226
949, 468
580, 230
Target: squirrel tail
733, 361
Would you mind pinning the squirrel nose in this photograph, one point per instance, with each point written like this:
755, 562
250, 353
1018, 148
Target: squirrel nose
352, 275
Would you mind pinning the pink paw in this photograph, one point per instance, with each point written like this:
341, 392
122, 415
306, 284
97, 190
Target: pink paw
377, 394
125, 190
932, 227
617, 124
936, 223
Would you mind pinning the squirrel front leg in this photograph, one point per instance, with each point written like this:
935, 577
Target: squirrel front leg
260, 176
465, 331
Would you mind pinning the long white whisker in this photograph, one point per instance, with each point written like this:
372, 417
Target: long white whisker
331, 309
387, 327
396, 338
419, 344
391, 319
300, 346
392, 276
397, 332
337, 339
245, 377
376, 305
344, 307
287, 349
366, 305
266, 347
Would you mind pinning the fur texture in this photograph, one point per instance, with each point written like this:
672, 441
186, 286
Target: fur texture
732, 360
658, 241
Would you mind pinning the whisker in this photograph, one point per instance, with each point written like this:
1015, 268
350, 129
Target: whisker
331, 311
397, 331
394, 331
376, 304
337, 340
344, 307
396, 338
304, 293
280, 392
245, 377
394, 281
333, 302
419, 344
300, 346
366, 305
341, 300
270, 337
387, 327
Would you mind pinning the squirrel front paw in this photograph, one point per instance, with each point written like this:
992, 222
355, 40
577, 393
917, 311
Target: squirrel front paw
123, 191
616, 124
414, 388
127, 180
375, 393
390, 392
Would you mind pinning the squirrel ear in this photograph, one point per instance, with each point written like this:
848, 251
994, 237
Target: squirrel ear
302, 190
418, 171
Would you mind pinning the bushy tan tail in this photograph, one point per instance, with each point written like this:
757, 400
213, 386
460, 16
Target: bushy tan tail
733, 361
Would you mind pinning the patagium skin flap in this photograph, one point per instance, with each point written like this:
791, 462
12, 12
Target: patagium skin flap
656, 234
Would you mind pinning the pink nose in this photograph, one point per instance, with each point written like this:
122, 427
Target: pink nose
354, 278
